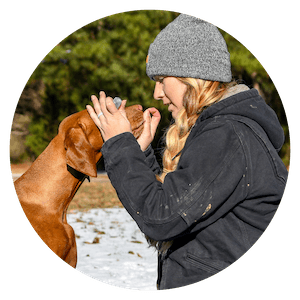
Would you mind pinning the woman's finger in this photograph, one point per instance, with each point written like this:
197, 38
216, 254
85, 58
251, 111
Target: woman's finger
122, 108
155, 119
151, 118
96, 104
123, 105
102, 104
110, 105
93, 115
155, 113
147, 123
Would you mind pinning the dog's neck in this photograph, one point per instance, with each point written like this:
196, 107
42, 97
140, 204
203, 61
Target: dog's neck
49, 170
78, 175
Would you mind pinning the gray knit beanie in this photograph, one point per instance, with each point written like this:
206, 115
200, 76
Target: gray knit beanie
189, 47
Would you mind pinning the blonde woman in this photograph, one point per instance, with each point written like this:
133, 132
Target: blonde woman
222, 179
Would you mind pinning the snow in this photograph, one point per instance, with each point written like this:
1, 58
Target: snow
120, 255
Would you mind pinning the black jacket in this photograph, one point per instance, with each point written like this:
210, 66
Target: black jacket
227, 186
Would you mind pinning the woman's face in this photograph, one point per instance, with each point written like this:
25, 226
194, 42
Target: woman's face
171, 91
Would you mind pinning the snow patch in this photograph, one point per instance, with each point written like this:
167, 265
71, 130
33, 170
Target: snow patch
111, 248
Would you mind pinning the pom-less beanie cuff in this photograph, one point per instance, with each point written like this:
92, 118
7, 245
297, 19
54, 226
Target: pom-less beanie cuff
189, 47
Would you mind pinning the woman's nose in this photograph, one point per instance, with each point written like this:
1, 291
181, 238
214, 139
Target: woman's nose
158, 91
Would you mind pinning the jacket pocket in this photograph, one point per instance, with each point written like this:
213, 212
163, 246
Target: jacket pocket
204, 264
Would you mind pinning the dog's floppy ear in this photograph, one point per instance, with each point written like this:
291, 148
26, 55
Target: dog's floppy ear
80, 155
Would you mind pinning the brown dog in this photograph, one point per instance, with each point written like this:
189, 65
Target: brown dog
49, 185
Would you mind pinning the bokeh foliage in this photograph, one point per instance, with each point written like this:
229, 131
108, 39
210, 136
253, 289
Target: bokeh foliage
109, 54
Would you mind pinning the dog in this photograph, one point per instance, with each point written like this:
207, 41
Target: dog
46, 189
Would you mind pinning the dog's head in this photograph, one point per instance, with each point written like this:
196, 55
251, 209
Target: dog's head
83, 140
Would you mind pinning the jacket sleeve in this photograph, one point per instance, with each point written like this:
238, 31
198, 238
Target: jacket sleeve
209, 180
151, 160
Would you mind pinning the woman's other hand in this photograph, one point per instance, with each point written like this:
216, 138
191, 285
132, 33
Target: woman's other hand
152, 118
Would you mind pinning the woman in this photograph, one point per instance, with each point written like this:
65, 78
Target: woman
222, 179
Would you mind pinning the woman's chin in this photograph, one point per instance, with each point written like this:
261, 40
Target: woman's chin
174, 114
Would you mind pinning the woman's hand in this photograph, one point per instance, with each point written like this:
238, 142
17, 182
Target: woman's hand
152, 118
112, 121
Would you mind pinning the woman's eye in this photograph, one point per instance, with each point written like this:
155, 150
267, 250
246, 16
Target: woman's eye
159, 79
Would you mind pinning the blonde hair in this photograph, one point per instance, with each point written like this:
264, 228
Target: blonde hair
199, 95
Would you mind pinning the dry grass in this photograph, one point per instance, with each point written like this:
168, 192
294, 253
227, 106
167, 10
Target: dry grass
95, 195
